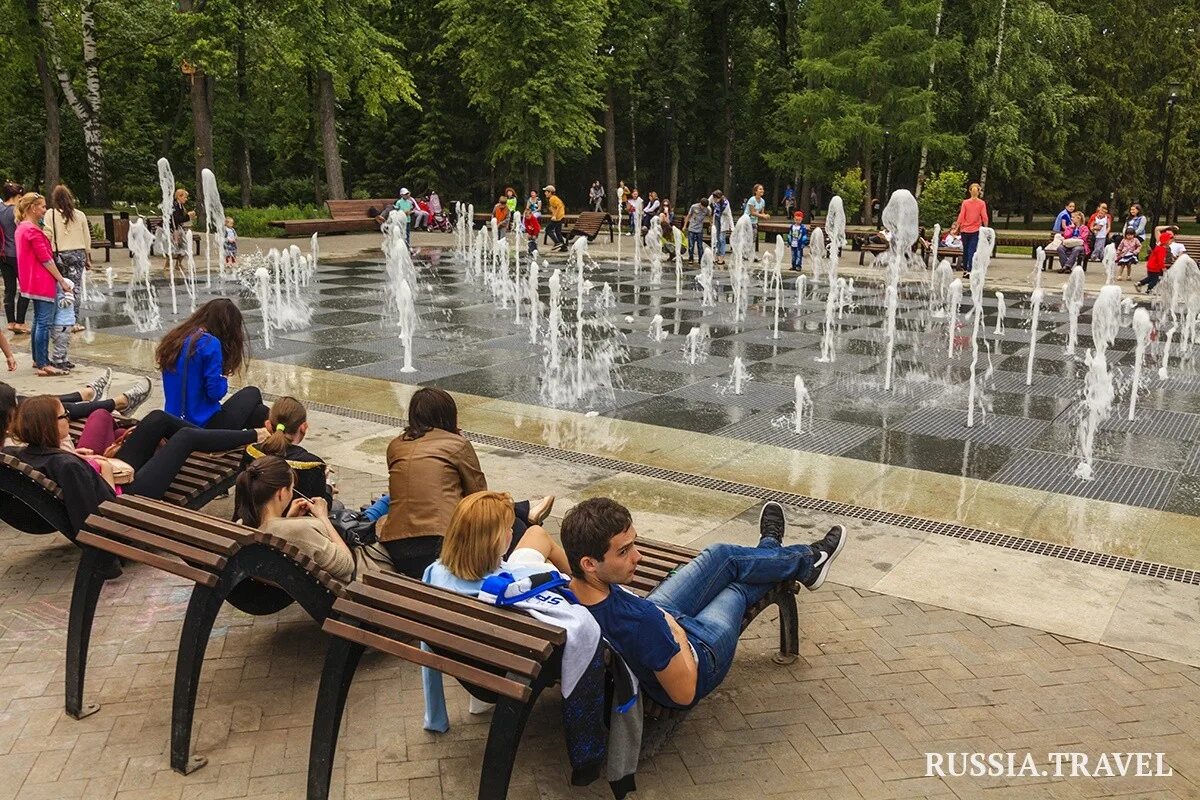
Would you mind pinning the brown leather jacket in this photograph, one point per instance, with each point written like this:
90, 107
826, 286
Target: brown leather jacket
426, 479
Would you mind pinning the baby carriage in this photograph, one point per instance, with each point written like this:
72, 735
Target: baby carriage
438, 220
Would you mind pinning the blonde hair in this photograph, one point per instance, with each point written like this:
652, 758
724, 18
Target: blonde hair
26, 202
287, 415
474, 542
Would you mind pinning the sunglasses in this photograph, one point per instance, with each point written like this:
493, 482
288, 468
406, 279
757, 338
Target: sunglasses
63, 415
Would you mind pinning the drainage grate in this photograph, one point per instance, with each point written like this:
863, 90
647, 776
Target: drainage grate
1152, 422
755, 395
1114, 483
1192, 465
598, 401
1119, 563
828, 437
946, 423
1043, 385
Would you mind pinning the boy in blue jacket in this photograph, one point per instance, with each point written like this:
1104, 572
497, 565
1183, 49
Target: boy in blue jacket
797, 239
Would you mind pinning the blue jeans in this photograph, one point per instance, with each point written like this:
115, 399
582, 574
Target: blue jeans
709, 595
970, 242
696, 240
797, 257
43, 321
718, 238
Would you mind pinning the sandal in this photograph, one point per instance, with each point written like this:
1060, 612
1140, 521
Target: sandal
49, 371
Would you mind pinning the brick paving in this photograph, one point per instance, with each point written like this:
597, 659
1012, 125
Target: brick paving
880, 681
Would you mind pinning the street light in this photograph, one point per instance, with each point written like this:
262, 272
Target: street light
1173, 87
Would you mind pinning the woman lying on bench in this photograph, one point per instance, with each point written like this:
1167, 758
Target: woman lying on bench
83, 402
265, 499
86, 474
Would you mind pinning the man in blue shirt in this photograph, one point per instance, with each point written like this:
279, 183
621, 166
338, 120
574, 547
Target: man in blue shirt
680, 641
1064, 217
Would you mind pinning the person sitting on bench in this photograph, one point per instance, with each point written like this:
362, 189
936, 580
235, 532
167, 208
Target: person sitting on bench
287, 426
681, 639
86, 475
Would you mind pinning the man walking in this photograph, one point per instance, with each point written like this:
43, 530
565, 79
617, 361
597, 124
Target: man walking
558, 212
680, 640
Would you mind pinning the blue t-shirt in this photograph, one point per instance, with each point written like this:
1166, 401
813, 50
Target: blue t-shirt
754, 205
639, 632
1061, 221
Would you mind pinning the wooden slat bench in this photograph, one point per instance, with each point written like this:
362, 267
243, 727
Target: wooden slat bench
1191, 245
589, 223
345, 216
106, 246
254, 571
499, 655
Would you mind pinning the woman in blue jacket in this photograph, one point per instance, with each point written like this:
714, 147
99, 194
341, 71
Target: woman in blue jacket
196, 358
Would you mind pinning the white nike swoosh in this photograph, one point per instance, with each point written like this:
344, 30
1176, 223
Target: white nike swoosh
821, 559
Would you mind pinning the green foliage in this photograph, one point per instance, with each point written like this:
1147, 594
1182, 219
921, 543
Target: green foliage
941, 197
254, 221
852, 188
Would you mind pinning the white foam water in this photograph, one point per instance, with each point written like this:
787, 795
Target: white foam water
1072, 295
214, 227
166, 182
1098, 389
1035, 302
804, 406
1141, 331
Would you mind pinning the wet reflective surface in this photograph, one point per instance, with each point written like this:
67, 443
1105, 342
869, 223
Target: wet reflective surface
1022, 435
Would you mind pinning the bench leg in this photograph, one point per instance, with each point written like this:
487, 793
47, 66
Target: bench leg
89, 578
789, 629
197, 626
504, 737
341, 661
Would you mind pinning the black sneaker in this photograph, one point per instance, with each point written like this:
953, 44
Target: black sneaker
771, 523
826, 550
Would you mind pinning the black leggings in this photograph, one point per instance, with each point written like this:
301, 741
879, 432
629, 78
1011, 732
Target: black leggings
77, 409
412, 554
157, 466
244, 409
15, 307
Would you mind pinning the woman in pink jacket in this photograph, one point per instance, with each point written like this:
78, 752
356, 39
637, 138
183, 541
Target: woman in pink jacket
972, 215
38, 278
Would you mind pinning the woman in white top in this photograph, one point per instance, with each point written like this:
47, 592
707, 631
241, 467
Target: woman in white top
70, 237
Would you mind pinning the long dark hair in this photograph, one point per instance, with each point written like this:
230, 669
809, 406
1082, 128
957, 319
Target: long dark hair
11, 190
287, 415
256, 484
8, 408
220, 317
431, 408
37, 422
64, 203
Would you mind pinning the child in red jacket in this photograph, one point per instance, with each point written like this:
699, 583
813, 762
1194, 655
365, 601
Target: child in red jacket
532, 229
1157, 263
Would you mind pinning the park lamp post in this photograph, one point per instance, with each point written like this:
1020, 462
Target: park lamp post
1173, 87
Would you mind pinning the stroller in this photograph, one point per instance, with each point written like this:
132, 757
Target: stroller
438, 219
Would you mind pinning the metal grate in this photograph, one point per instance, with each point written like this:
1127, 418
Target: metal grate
946, 423
1192, 465
1153, 422
1044, 385
755, 394
826, 436
596, 402
1112, 482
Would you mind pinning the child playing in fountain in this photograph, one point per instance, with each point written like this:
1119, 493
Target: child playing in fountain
532, 229
230, 243
1128, 250
60, 333
1156, 264
797, 239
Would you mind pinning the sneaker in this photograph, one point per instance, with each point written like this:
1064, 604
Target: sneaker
826, 551
62, 365
771, 523
136, 395
100, 383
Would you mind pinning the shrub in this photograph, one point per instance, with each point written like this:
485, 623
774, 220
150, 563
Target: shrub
254, 221
941, 197
853, 190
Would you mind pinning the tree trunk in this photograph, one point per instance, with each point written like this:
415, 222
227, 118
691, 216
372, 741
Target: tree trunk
727, 81
550, 167
610, 149
991, 95
633, 141
244, 178
51, 137
937, 31
202, 126
804, 190
675, 176
326, 107
865, 215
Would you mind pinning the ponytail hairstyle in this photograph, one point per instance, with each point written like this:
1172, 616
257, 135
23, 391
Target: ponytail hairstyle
257, 484
287, 415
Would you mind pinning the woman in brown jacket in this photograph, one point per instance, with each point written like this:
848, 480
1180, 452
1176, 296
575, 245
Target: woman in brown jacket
431, 466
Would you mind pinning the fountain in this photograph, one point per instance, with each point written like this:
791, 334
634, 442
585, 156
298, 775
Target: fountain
778, 301
1039, 261
955, 294
1109, 261
739, 377
535, 304
166, 181
654, 245
801, 281
1001, 310
835, 233
407, 318
1098, 389
983, 258
1035, 301
141, 299
708, 295
1141, 330
637, 237
214, 227
817, 253
939, 295
900, 219
696, 347
262, 290
804, 405
657, 333
1072, 295
678, 234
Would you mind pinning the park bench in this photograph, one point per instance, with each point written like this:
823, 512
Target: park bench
499, 655
106, 246
1191, 245
589, 223
345, 216
33, 503
254, 571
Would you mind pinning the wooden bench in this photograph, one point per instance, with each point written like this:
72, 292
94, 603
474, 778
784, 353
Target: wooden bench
33, 503
345, 216
254, 571
106, 246
499, 655
1191, 245
589, 223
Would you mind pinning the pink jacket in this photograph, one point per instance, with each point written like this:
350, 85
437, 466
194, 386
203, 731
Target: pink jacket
33, 251
972, 215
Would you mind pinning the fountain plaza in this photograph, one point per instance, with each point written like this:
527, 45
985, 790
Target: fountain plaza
997, 595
